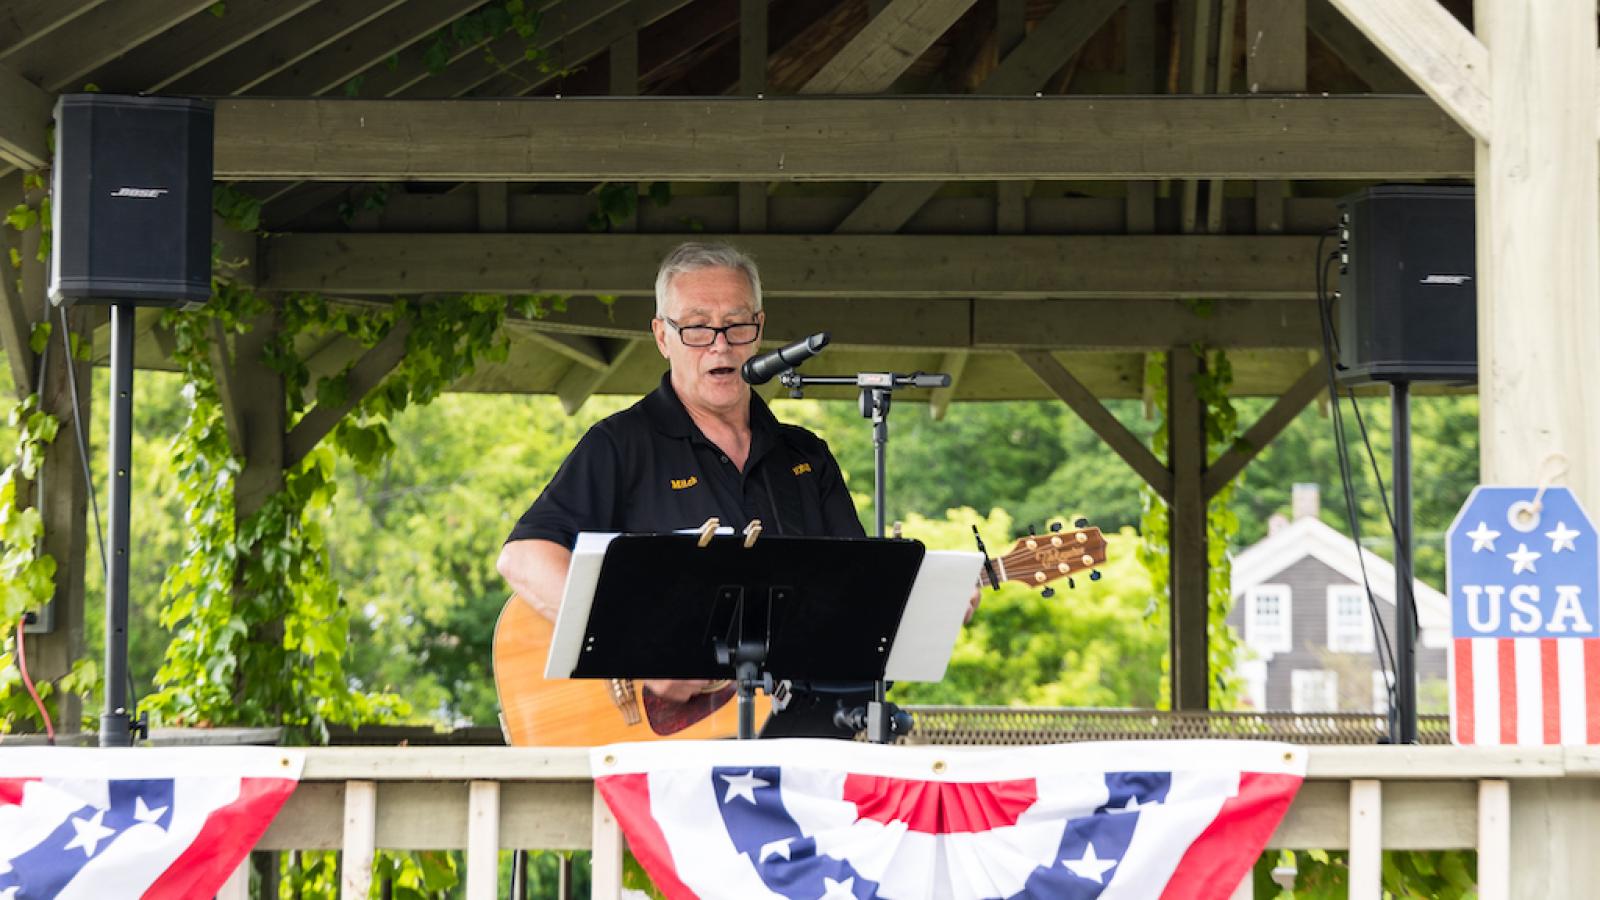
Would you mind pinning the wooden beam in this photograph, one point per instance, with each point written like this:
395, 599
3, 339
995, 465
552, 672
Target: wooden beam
312, 31
754, 49
1275, 62
1083, 402
1305, 389
1018, 267
25, 114
98, 37
953, 364
228, 389
1354, 50
193, 43
331, 68
1025, 69
16, 325
888, 45
572, 49
22, 22
580, 348
1187, 540
1103, 324
581, 382
802, 139
1432, 47
368, 372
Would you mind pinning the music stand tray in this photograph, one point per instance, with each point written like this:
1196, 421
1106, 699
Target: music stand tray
801, 608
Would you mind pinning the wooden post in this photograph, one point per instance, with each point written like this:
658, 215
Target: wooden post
1275, 62
360, 839
1538, 230
1551, 821
753, 53
605, 876
1366, 839
1186, 534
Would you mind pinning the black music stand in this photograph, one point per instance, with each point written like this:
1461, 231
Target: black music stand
753, 611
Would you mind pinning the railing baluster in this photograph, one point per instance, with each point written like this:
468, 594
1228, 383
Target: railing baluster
1366, 839
237, 887
1494, 840
360, 838
483, 840
1246, 889
605, 877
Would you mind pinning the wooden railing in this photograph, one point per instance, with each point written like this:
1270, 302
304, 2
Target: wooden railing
1536, 806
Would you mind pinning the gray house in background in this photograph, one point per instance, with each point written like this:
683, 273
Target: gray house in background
1299, 605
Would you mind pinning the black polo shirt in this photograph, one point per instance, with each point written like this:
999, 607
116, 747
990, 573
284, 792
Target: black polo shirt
650, 469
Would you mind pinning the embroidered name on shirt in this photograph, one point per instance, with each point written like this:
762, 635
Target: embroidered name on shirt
679, 484
802, 468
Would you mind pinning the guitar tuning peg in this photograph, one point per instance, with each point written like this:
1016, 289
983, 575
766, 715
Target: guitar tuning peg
1047, 593
1080, 522
1031, 530
1071, 585
1055, 526
1094, 575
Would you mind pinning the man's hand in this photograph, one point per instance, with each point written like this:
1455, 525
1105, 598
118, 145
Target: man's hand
676, 690
972, 604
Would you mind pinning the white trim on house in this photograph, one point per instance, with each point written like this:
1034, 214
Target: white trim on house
1314, 690
1360, 626
1268, 558
1281, 639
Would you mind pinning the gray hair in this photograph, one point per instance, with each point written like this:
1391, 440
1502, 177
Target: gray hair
693, 256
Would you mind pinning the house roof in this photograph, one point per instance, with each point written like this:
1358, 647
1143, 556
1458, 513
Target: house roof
1264, 560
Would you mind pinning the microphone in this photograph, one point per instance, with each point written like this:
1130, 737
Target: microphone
762, 369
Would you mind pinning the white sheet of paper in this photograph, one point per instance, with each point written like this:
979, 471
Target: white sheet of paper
932, 622
582, 577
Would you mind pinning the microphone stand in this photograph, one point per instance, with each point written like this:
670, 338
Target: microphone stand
880, 719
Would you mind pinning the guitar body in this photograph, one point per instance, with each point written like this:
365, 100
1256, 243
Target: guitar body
540, 712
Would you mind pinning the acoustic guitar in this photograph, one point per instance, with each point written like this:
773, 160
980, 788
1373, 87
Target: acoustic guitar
536, 711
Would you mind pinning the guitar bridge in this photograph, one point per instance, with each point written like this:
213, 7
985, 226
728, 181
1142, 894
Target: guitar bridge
626, 699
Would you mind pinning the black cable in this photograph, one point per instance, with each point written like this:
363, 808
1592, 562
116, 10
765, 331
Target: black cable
1387, 661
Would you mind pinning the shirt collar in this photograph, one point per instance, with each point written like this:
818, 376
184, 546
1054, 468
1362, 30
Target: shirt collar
670, 418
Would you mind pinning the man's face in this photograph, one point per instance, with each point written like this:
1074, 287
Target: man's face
707, 378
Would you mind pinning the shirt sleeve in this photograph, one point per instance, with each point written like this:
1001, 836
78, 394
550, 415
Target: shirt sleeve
581, 497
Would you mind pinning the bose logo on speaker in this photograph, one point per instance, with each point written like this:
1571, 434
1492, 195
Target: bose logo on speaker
140, 193
1446, 279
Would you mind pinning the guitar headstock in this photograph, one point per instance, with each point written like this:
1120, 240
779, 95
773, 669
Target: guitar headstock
1039, 559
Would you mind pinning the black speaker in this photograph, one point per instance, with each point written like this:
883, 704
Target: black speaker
1407, 302
131, 207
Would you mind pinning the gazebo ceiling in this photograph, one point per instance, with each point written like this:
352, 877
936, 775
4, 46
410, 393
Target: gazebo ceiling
928, 230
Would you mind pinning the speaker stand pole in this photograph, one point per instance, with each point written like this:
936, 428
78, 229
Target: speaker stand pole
1403, 727
114, 721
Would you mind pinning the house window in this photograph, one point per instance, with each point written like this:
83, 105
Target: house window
1349, 619
1266, 619
1314, 690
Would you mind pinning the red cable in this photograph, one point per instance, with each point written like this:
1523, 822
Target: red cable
22, 664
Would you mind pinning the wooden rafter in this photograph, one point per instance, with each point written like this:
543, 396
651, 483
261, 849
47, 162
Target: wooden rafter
1432, 47
1083, 402
1353, 49
368, 372
24, 22
1272, 422
25, 113
373, 43
888, 45
953, 364
1058, 36
97, 37
1021, 266
582, 349
305, 35
898, 139
193, 43
581, 382
16, 326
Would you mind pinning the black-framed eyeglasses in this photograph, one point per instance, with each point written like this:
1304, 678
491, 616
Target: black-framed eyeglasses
706, 335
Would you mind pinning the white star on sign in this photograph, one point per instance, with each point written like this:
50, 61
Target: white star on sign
1482, 537
9, 893
143, 813
1522, 560
89, 833
838, 890
776, 848
1090, 866
743, 786
1561, 538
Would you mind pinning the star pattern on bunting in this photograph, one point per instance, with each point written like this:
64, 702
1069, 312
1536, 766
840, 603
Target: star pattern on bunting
742, 786
89, 833
838, 890
1089, 866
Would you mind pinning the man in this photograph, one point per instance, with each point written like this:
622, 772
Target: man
700, 445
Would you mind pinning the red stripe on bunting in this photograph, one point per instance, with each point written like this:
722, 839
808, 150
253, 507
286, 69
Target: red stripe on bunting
629, 799
223, 842
1218, 859
934, 807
